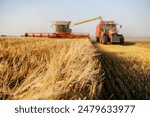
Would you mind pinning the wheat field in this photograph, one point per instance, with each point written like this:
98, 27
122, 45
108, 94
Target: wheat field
44, 68
71, 69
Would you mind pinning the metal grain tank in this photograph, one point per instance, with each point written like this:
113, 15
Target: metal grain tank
61, 27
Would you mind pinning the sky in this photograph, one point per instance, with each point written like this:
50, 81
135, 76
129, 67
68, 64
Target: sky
20, 16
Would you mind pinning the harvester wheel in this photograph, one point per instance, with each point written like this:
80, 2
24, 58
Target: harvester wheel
121, 40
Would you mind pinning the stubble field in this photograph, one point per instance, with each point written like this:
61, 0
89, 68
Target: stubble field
127, 71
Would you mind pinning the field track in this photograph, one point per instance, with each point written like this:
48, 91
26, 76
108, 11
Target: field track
127, 71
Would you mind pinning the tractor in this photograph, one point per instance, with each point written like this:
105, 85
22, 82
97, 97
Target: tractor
106, 31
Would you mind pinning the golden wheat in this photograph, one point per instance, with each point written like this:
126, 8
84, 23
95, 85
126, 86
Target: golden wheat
44, 68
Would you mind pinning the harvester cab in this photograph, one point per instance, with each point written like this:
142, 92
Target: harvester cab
61, 27
107, 31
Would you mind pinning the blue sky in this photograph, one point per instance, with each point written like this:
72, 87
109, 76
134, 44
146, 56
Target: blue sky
20, 16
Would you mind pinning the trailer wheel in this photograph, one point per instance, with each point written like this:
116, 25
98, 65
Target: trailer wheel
97, 39
105, 40
121, 40
101, 41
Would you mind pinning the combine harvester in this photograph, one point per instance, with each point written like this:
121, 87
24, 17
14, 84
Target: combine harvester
106, 31
61, 29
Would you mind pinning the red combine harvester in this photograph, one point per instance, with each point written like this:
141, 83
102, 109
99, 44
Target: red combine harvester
61, 29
